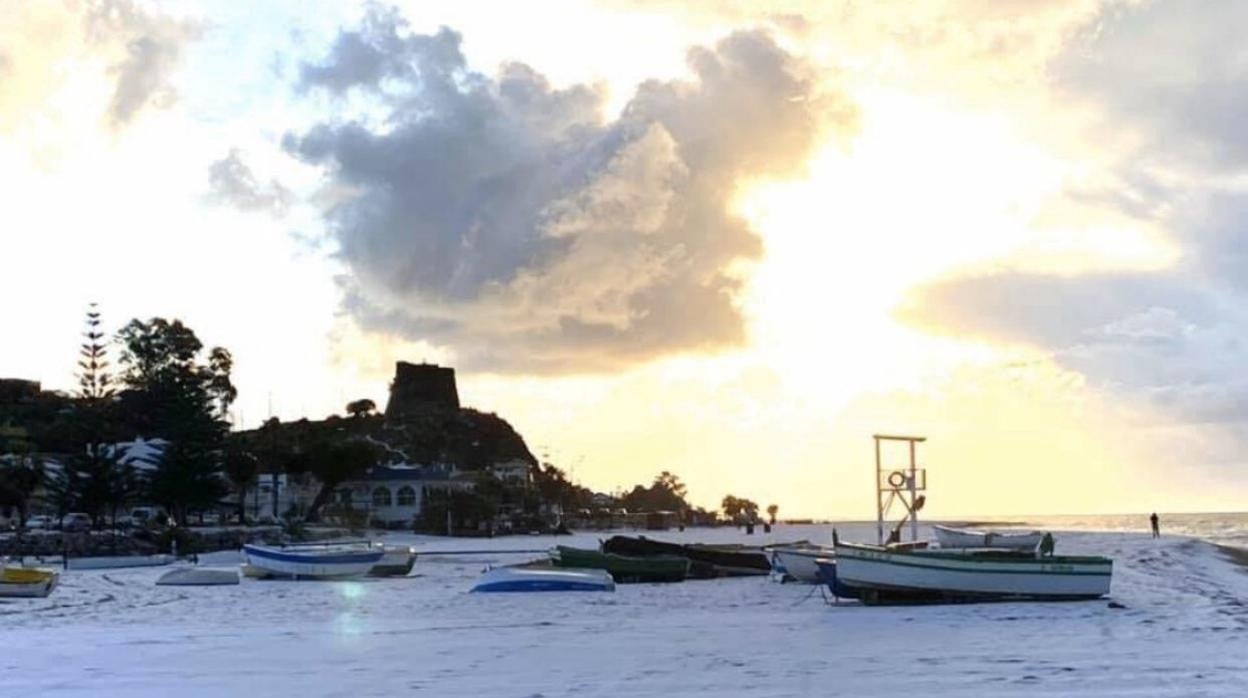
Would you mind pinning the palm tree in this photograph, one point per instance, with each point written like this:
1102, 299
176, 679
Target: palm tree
772, 510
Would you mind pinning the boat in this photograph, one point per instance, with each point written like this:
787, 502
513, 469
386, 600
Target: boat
396, 561
828, 576
113, 562
883, 575
799, 562
197, 577
949, 537
543, 579
622, 568
322, 561
705, 561
26, 583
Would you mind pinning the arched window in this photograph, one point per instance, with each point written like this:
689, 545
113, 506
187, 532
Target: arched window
407, 496
381, 497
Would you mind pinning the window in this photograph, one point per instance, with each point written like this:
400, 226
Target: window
407, 496
381, 497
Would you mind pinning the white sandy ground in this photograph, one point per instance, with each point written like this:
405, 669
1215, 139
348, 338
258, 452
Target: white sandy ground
1184, 633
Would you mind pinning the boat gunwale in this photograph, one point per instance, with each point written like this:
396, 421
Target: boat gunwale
1004, 558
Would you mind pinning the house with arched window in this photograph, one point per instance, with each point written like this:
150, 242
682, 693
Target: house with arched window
393, 494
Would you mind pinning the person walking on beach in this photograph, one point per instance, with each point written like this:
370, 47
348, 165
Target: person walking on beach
1156, 525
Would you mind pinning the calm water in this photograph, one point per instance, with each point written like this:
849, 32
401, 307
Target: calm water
1224, 529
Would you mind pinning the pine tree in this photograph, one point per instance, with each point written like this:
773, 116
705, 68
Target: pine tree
95, 479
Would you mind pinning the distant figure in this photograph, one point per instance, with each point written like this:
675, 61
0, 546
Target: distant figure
1046, 545
1156, 525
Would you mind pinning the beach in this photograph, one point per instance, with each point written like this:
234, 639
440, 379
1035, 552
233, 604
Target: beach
1182, 631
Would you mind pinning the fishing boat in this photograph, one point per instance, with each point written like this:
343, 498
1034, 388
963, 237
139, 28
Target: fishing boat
967, 538
622, 568
884, 575
705, 561
800, 562
501, 579
197, 577
21, 582
322, 561
396, 561
828, 576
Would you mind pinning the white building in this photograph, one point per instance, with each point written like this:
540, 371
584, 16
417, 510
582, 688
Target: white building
394, 494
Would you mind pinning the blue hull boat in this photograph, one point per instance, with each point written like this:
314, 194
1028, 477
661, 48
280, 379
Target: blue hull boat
827, 574
544, 579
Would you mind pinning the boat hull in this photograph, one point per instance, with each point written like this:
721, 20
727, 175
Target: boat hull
829, 576
705, 562
307, 564
887, 576
114, 562
395, 562
963, 538
624, 569
801, 563
21, 583
515, 579
196, 577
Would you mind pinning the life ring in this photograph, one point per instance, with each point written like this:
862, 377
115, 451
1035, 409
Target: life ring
897, 479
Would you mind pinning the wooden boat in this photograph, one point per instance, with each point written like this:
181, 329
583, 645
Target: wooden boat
883, 575
968, 538
502, 579
624, 569
197, 577
325, 561
113, 562
26, 583
800, 562
828, 576
396, 561
705, 561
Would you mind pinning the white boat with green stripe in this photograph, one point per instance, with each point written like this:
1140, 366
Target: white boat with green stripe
886, 575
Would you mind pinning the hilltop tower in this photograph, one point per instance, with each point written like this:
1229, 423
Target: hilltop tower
421, 386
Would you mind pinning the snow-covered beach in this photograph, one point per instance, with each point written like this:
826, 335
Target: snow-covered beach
1183, 632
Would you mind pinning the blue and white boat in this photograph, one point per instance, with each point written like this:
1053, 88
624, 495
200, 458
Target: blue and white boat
828, 576
311, 562
799, 561
544, 579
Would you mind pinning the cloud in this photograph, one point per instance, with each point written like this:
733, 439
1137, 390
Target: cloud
506, 219
232, 182
153, 48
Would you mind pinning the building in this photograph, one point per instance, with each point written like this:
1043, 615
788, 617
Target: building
515, 472
394, 495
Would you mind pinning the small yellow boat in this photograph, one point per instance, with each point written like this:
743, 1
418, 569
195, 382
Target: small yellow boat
20, 582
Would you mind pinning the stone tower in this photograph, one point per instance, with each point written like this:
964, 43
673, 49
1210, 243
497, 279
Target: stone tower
420, 386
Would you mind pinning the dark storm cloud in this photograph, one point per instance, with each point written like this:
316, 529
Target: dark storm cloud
506, 219
231, 181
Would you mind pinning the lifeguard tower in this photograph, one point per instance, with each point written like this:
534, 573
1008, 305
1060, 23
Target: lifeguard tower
898, 484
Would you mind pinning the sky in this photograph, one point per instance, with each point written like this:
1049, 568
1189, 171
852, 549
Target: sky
727, 239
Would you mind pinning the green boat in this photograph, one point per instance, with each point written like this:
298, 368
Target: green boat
624, 569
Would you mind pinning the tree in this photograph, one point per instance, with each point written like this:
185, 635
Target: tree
173, 392
21, 474
772, 510
95, 480
333, 463
241, 469
739, 509
361, 408
666, 493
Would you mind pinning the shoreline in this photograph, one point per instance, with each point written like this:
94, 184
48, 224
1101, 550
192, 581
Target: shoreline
1238, 556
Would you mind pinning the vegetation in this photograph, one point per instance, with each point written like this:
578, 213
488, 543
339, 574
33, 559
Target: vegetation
772, 510
739, 509
666, 493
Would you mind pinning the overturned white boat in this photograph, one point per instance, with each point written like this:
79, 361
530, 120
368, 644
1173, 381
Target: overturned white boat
113, 562
800, 561
889, 575
197, 577
322, 561
544, 579
949, 537
396, 561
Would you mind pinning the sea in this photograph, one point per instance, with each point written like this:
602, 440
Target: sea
1228, 529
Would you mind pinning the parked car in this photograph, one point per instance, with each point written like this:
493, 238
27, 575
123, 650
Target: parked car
143, 516
76, 521
40, 522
